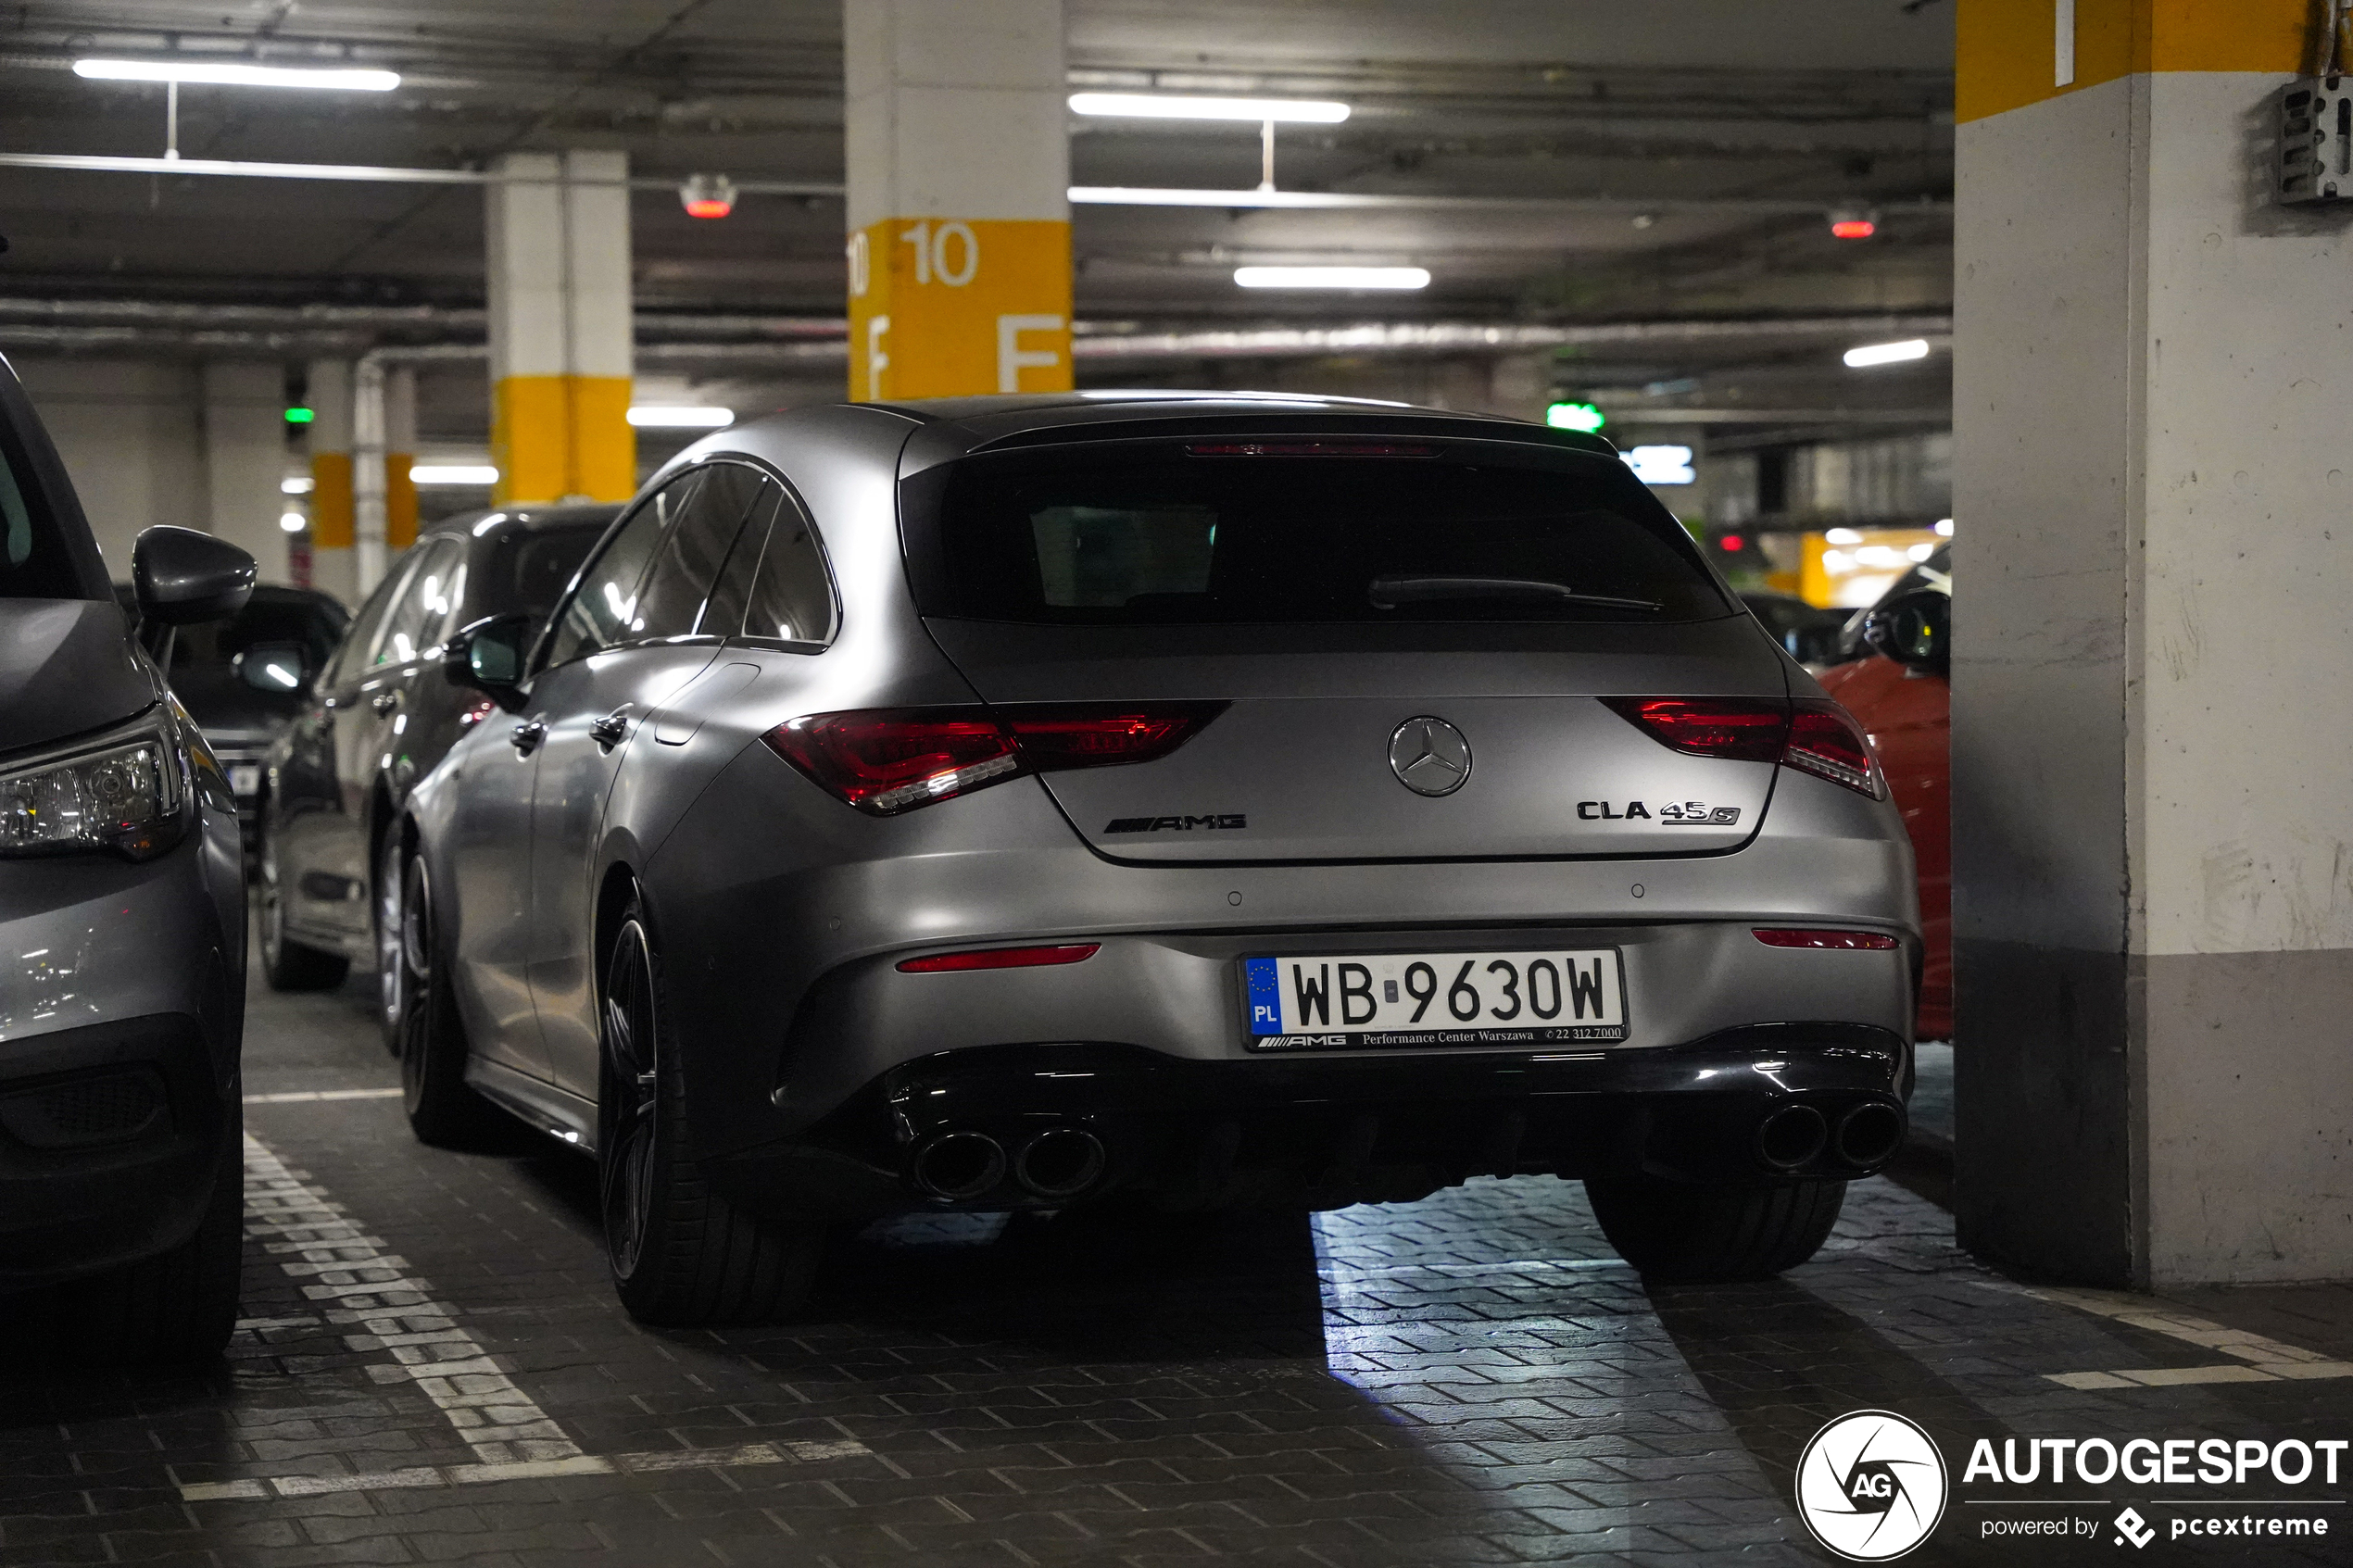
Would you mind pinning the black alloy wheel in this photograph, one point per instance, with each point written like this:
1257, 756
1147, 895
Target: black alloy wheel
682, 1254
287, 964
429, 1037
392, 974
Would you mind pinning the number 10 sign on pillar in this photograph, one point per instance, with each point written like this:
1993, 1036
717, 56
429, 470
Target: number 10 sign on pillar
953, 307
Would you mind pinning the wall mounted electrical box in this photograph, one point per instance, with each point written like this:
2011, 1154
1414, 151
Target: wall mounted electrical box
2316, 140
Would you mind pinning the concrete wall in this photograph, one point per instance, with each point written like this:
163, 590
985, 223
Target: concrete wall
2153, 812
153, 442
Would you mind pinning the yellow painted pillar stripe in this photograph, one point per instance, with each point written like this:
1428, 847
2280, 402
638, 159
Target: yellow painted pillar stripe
400, 502
556, 436
2005, 51
944, 306
331, 521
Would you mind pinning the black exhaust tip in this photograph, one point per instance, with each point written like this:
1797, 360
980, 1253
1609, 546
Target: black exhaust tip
1792, 1136
1870, 1134
1060, 1162
956, 1166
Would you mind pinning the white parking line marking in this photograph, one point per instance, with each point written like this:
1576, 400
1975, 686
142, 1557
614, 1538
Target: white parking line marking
524, 1469
304, 1097
2258, 1357
373, 1290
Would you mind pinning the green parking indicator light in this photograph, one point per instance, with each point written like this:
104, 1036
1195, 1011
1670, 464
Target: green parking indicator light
301, 416
1575, 416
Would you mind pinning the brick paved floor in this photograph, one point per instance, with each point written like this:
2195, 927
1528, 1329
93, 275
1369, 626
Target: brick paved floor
433, 1369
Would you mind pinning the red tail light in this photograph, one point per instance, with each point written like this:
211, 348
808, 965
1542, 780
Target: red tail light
1837, 941
1817, 736
1736, 728
888, 761
1826, 741
999, 957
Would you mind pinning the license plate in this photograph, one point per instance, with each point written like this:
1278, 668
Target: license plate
1355, 1001
245, 778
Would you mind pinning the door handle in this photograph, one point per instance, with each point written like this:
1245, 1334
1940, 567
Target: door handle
526, 737
384, 702
610, 729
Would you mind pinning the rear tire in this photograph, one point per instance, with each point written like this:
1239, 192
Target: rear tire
286, 964
1689, 1233
178, 1306
682, 1255
429, 1040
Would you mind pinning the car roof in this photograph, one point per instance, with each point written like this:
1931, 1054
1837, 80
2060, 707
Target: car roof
522, 519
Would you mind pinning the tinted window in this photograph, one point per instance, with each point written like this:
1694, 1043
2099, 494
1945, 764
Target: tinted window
1230, 532
269, 617
368, 626
603, 610
671, 604
777, 587
33, 563
425, 603
528, 572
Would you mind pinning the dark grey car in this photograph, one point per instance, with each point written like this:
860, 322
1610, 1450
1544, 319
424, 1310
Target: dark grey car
1165, 801
376, 715
122, 912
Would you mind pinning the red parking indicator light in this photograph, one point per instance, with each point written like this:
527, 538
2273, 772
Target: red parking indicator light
1853, 229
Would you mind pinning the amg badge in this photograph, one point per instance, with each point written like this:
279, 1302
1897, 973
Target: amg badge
1181, 824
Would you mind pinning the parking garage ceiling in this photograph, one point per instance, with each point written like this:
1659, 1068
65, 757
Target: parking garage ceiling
1662, 163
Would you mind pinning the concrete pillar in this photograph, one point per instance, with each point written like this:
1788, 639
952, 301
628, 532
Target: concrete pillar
2151, 685
245, 453
331, 568
561, 328
401, 453
957, 154
368, 558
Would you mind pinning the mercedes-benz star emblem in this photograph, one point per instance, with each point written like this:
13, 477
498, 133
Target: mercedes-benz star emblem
1430, 756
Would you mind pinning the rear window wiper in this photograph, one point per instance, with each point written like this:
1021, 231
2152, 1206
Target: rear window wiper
1387, 592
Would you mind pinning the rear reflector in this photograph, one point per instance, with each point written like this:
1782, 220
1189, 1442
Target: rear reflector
1815, 735
999, 958
1840, 941
884, 761
1309, 449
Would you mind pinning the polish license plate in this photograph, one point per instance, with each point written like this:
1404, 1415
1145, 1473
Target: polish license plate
245, 778
1359, 1001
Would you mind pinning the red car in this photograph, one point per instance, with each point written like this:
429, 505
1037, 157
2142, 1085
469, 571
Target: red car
1898, 691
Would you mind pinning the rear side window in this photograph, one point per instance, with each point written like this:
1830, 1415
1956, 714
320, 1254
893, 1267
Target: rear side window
603, 610
1301, 531
671, 604
776, 588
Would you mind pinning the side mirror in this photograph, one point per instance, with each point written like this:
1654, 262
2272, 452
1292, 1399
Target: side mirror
1915, 630
182, 577
279, 669
488, 656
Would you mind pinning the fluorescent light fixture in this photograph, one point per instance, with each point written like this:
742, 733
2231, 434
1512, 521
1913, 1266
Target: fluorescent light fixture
1332, 277
1887, 353
1944, 527
657, 416
227, 73
295, 485
1153, 105
292, 522
1842, 537
453, 474
1662, 465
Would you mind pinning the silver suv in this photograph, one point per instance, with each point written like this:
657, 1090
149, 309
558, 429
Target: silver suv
1160, 800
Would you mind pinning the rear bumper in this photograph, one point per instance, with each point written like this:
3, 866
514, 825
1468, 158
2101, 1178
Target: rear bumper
1332, 1131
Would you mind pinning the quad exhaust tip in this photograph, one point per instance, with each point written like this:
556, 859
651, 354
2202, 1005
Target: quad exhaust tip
1792, 1136
1060, 1162
1869, 1134
956, 1166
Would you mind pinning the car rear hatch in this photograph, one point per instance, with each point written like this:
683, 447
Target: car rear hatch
1377, 649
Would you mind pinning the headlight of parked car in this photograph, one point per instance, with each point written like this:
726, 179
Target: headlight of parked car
123, 792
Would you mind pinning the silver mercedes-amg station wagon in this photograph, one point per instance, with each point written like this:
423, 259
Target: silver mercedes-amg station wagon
1158, 800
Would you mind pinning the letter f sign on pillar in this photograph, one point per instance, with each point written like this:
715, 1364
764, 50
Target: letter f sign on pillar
959, 194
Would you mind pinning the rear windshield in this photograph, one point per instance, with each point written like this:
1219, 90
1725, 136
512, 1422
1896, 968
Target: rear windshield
1179, 533
529, 572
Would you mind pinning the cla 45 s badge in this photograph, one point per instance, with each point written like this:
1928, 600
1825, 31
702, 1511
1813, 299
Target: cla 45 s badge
1674, 814
1181, 824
